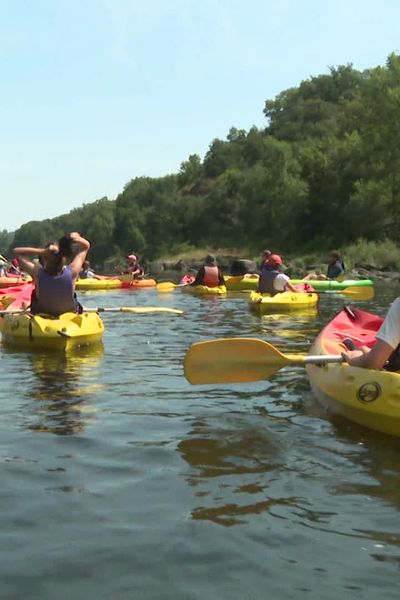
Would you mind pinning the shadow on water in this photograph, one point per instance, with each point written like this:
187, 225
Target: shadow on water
61, 385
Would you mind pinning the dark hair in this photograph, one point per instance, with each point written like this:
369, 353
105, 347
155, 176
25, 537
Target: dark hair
65, 245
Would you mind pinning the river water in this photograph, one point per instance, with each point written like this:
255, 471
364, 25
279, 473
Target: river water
121, 480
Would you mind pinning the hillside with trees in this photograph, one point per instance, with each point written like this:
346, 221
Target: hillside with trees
324, 172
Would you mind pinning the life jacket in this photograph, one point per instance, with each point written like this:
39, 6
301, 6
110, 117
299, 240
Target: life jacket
266, 283
211, 276
56, 293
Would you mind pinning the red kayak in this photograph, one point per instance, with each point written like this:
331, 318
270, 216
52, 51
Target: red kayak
366, 396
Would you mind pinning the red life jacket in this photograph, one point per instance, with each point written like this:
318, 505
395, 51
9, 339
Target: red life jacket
211, 276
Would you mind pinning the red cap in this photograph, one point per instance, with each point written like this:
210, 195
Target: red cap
131, 257
274, 260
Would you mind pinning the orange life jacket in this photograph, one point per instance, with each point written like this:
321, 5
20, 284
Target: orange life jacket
211, 276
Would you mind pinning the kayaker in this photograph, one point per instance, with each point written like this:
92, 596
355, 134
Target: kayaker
132, 267
336, 268
14, 268
272, 281
265, 254
385, 353
87, 272
210, 274
54, 280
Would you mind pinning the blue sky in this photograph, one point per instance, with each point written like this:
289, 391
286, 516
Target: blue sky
96, 92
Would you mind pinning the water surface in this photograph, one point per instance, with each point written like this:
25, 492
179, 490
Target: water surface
120, 480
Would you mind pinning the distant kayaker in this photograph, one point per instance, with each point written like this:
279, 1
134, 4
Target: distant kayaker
54, 280
336, 268
385, 353
210, 274
87, 272
132, 267
265, 254
14, 268
272, 281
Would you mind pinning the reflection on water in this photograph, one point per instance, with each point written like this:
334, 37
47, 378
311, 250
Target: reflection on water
62, 386
241, 460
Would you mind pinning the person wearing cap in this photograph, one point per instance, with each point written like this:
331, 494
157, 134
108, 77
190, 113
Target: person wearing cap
210, 274
272, 281
133, 267
14, 268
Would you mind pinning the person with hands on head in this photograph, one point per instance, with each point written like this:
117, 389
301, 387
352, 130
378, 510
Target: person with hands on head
54, 279
385, 351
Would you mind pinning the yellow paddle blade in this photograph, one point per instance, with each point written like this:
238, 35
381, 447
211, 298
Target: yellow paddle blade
149, 309
165, 286
234, 360
361, 292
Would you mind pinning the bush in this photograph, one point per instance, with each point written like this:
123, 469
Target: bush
381, 255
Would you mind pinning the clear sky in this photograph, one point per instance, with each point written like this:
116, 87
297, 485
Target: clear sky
96, 92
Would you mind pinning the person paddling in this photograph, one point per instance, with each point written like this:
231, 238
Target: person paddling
132, 267
210, 274
385, 353
55, 280
272, 281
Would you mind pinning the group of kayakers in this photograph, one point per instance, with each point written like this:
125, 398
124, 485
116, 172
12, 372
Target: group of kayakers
60, 263
271, 278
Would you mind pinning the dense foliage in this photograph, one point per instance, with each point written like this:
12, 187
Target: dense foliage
324, 172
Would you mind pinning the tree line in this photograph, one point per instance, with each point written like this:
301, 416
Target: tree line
322, 173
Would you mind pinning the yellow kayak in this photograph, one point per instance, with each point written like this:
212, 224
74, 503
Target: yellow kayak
204, 290
64, 332
370, 398
241, 283
98, 284
284, 301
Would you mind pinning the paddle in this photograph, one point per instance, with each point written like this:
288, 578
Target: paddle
237, 360
363, 292
120, 309
167, 286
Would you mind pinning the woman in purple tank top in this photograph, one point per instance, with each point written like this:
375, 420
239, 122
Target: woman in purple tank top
54, 279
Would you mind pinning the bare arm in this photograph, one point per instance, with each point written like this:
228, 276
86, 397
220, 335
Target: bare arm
77, 263
374, 359
28, 265
290, 287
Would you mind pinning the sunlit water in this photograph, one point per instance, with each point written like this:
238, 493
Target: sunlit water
120, 480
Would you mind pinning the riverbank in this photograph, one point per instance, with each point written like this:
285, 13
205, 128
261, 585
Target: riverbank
364, 260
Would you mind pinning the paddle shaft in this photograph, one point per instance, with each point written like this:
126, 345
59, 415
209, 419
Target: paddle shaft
121, 309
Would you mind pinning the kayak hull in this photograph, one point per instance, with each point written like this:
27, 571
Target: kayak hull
67, 331
137, 283
205, 290
112, 283
367, 397
333, 285
13, 281
284, 301
97, 284
241, 283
